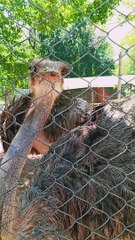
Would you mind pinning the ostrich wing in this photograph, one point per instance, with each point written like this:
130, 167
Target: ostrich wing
66, 114
11, 119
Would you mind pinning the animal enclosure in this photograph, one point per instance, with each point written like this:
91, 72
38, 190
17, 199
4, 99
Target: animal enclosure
67, 120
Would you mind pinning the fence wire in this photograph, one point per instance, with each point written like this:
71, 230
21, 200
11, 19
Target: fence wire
67, 120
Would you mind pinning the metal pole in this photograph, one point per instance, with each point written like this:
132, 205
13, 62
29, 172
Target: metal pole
120, 74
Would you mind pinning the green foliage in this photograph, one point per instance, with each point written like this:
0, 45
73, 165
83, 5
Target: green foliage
127, 90
129, 44
23, 21
46, 15
79, 45
130, 62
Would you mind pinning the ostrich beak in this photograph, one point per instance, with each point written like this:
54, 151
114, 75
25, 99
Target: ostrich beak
52, 70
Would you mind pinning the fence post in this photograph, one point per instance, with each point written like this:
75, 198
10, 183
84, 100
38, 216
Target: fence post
119, 78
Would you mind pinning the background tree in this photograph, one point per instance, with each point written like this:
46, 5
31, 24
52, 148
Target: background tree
129, 61
125, 16
90, 55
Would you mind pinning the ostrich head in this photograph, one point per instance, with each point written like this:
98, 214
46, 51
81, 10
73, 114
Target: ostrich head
45, 70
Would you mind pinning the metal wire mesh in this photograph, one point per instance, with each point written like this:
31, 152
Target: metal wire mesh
68, 126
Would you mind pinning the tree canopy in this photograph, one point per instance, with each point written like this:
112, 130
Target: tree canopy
129, 44
23, 22
89, 54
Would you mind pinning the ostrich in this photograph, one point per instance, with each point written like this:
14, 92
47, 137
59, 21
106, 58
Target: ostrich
83, 188
65, 115
46, 84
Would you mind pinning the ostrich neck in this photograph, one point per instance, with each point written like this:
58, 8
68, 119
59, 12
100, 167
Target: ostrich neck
16, 156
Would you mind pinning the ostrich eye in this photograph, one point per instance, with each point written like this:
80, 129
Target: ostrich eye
32, 69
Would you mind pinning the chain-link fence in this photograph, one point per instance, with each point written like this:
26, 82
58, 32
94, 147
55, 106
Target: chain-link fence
67, 120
